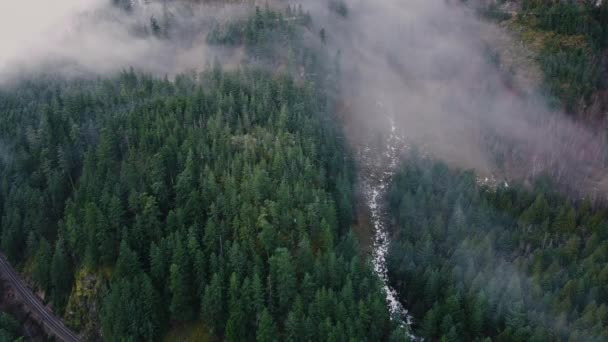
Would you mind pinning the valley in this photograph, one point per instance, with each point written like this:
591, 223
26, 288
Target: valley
321, 171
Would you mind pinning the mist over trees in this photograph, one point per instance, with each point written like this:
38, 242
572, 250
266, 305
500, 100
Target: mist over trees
478, 263
220, 197
211, 184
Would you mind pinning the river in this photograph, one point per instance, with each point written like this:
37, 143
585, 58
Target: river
378, 163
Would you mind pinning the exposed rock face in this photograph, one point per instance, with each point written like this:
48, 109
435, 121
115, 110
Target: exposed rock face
82, 311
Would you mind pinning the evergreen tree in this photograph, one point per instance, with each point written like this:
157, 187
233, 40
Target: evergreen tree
180, 285
61, 276
267, 331
42, 265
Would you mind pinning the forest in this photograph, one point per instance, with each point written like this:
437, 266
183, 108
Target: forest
573, 36
137, 205
477, 261
222, 197
503, 263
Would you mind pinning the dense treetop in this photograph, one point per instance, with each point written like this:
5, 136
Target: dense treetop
224, 197
507, 264
573, 36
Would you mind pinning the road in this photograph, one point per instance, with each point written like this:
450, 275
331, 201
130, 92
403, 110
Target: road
45, 317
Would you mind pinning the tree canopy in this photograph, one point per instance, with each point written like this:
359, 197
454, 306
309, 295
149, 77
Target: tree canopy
505, 263
221, 196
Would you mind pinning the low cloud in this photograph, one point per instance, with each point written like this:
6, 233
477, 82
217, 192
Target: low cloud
436, 70
79, 37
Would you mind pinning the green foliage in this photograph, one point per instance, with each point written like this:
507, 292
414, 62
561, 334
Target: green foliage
506, 264
571, 18
42, 265
572, 73
131, 310
61, 276
264, 34
221, 196
267, 331
572, 58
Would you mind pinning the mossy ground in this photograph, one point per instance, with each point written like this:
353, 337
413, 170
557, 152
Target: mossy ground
82, 312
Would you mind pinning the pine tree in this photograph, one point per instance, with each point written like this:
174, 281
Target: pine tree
180, 284
284, 279
267, 330
235, 327
61, 276
212, 304
42, 265
127, 264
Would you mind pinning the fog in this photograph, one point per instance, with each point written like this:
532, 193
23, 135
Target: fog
27, 24
80, 37
430, 65
439, 72
427, 65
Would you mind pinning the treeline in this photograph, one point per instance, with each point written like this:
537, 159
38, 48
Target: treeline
263, 31
273, 39
475, 263
572, 52
223, 197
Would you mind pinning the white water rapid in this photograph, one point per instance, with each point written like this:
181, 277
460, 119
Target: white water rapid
378, 165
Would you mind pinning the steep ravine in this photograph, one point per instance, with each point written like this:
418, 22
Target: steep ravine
377, 164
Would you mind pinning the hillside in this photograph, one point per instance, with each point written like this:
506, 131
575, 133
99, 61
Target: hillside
139, 204
483, 260
330, 170
568, 41
508, 264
